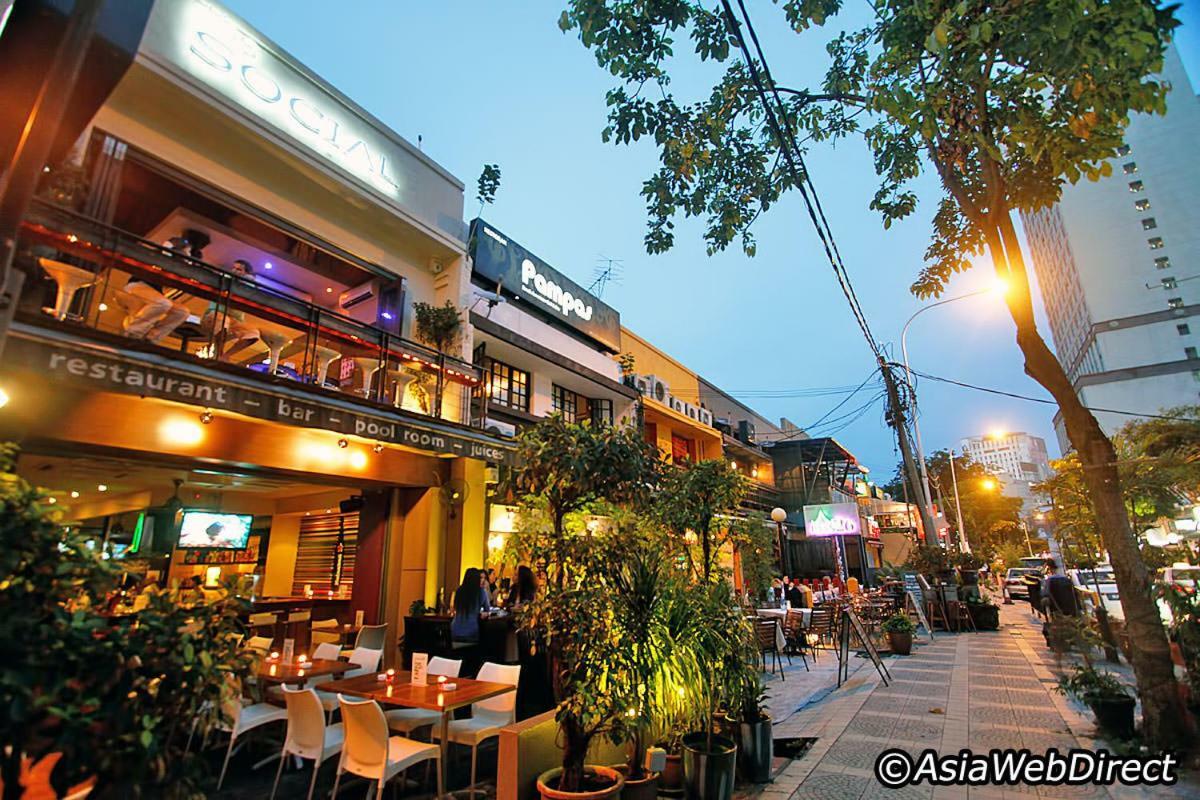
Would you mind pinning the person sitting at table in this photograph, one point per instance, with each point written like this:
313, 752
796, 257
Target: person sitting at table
468, 602
523, 592
485, 594
231, 321
160, 315
799, 596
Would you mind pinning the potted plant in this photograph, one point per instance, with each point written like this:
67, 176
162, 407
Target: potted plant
751, 726
899, 629
985, 615
969, 565
438, 326
1106, 696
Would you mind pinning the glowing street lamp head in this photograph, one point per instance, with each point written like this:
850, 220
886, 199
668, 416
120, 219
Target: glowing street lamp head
999, 286
988, 484
998, 433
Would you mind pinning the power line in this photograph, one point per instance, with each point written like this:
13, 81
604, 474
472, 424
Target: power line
1045, 401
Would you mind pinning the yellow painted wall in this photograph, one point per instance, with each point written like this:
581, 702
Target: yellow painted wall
649, 360
281, 556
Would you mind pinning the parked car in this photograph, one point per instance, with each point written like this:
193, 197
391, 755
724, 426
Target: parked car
1182, 575
1014, 581
1099, 585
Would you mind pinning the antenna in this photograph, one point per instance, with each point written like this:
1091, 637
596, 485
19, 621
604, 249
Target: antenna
607, 269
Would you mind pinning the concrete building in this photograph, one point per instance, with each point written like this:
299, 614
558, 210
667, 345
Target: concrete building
1116, 261
1018, 459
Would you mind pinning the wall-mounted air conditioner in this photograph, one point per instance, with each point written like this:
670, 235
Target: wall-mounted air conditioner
350, 298
499, 428
656, 389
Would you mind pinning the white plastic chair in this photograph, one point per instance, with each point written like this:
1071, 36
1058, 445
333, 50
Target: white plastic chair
370, 753
368, 663
327, 652
369, 636
308, 736
326, 631
407, 720
487, 716
238, 718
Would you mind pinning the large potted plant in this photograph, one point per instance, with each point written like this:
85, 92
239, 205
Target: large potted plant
561, 468
899, 629
751, 726
1106, 696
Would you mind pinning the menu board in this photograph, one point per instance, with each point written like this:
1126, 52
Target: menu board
913, 586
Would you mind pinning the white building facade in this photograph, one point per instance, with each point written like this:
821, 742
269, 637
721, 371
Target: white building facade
1117, 262
1018, 459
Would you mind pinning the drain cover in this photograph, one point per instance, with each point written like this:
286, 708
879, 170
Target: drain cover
793, 746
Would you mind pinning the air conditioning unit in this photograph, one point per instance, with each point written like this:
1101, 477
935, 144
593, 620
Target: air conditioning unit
358, 295
499, 428
656, 389
746, 431
705, 416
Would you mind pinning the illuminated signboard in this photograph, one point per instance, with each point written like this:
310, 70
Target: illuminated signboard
832, 519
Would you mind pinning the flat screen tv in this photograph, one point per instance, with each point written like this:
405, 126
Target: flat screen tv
214, 529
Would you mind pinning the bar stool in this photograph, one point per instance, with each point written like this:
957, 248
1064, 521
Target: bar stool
275, 342
70, 279
368, 367
401, 378
264, 622
325, 357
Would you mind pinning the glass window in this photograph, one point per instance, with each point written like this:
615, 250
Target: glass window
1190, 352
1169, 283
1123, 150
1183, 329
508, 386
1149, 223
1141, 205
1175, 302
1136, 186
602, 411
1162, 262
1156, 243
1130, 168
568, 403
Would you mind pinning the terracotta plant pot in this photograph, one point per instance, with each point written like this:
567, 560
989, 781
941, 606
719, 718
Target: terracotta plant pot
670, 782
550, 778
644, 789
900, 643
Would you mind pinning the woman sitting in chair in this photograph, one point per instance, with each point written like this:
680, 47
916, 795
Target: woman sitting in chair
468, 602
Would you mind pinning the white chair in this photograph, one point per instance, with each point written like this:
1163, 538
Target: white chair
308, 736
260, 643
238, 718
264, 619
407, 720
368, 663
370, 753
369, 636
487, 716
326, 652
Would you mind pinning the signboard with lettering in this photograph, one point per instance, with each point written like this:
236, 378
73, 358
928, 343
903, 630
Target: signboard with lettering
832, 519
520, 274
87, 369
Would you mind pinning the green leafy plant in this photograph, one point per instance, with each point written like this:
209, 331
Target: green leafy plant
488, 185
693, 497
1184, 604
1090, 686
417, 608
898, 623
753, 539
115, 698
929, 560
438, 326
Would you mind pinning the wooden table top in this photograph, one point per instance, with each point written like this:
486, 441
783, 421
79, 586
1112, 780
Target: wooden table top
403, 693
294, 672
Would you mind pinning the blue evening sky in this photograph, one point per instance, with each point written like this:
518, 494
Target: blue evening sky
496, 82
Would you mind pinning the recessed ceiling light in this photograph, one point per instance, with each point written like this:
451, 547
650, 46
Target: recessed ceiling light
328, 290
51, 500
102, 487
74, 494
268, 265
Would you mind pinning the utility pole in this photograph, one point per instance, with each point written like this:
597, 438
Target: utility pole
897, 419
963, 545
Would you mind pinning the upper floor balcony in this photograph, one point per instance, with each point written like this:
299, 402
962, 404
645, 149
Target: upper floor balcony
159, 302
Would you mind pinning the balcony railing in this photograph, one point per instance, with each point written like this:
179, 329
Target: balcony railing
281, 337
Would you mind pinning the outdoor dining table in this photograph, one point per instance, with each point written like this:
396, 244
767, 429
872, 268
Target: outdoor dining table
779, 615
401, 692
296, 673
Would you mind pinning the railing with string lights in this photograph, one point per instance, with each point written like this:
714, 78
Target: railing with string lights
144, 295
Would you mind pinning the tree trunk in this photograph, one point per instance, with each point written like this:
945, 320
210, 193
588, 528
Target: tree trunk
1164, 717
575, 745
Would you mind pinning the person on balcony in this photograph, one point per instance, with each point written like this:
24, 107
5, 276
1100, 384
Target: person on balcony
159, 315
231, 321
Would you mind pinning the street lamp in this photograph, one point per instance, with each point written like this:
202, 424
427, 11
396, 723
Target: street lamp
779, 515
998, 287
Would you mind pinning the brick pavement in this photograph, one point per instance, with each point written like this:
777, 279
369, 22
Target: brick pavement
976, 691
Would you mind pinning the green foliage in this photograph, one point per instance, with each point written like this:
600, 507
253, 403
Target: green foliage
437, 325
692, 498
1088, 685
928, 560
754, 539
898, 623
417, 608
115, 696
488, 184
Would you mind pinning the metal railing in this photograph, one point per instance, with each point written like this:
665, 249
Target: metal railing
229, 318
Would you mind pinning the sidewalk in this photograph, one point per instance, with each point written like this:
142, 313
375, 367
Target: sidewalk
976, 691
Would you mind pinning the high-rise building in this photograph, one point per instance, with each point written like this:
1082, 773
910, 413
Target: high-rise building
1018, 459
1117, 262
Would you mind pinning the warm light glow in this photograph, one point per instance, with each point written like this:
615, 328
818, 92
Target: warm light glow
999, 286
181, 432
3, 398
495, 542
74, 495
103, 306
988, 484
358, 459
212, 577
103, 487
51, 500
733, 465
998, 433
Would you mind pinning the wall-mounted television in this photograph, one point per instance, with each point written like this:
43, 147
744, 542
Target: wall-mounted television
214, 529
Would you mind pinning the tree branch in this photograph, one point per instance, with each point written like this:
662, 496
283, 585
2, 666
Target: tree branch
849, 99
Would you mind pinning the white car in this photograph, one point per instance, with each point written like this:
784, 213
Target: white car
1181, 574
1101, 584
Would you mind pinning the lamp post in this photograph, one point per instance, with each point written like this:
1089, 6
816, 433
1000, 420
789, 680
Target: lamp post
963, 545
999, 288
785, 561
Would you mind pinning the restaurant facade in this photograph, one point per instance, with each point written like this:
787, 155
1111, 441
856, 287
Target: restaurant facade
215, 365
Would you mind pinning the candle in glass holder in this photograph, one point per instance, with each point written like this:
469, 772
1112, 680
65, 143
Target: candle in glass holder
274, 655
273, 669
441, 679
391, 675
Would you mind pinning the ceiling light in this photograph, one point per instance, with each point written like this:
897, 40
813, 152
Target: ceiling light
268, 265
51, 500
3, 398
328, 290
358, 459
74, 494
103, 487
103, 306
206, 416
343, 443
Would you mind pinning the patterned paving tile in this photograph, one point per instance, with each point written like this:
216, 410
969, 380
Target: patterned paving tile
919, 730
850, 752
879, 725
994, 713
826, 785
877, 791
988, 695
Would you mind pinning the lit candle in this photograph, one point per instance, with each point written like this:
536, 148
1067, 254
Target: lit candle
274, 655
389, 690
441, 679
273, 669
391, 676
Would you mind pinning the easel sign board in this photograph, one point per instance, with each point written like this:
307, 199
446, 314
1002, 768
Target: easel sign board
916, 606
869, 645
912, 586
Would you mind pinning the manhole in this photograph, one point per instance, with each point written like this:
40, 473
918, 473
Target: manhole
793, 746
